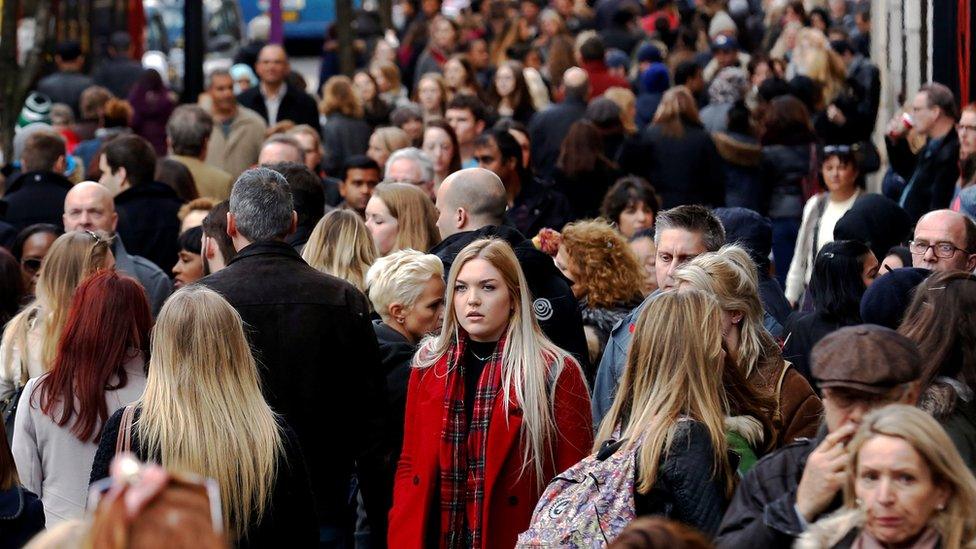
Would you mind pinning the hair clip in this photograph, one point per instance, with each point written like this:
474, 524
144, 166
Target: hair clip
937, 288
828, 255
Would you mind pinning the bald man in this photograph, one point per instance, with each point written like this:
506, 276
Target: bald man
471, 205
89, 206
548, 127
944, 241
274, 99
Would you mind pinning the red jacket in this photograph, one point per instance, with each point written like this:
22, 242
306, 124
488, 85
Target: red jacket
510, 494
601, 80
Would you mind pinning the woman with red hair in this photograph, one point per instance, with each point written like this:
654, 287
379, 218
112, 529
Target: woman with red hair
99, 368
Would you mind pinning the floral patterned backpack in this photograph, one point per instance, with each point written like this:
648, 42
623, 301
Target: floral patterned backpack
588, 505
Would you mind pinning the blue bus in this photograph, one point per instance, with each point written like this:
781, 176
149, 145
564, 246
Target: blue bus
302, 19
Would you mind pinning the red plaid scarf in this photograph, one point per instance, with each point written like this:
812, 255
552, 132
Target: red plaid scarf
463, 446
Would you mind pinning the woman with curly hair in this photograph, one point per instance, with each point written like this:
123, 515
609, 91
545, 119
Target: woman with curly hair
607, 278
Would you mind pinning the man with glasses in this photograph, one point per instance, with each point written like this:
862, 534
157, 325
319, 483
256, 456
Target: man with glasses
944, 241
931, 174
413, 166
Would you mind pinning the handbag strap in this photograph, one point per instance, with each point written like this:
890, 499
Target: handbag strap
123, 443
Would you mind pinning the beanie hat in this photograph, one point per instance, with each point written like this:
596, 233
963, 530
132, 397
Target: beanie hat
37, 108
721, 23
885, 301
655, 79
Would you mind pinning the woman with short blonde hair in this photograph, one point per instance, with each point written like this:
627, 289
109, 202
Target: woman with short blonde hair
30, 339
627, 101
495, 400
906, 486
398, 279
401, 216
203, 412
340, 245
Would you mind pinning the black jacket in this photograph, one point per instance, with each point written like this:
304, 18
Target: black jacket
781, 173
289, 518
762, 512
537, 206
802, 332
554, 305
118, 74
148, 224
585, 190
296, 105
320, 370
396, 355
547, 129
686, 489
35, 197
65, 87
21, 517
343, 137
931, 174
685, 170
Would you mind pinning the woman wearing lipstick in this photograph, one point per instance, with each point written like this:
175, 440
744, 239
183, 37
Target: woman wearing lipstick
907, 487
494, 411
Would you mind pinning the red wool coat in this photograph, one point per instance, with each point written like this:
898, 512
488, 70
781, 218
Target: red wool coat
510, 493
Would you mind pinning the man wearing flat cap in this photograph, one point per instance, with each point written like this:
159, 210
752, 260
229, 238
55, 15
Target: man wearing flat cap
858, 369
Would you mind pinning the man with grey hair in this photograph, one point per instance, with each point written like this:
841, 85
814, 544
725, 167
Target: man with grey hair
411, 165
931, 174
187, 133
281, 148
471, 205
238, 132
320, 365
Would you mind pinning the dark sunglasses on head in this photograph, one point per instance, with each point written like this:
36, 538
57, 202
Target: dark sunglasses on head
837, 149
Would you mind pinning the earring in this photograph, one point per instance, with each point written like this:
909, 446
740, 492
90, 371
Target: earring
940, 507
400, 320
859, 502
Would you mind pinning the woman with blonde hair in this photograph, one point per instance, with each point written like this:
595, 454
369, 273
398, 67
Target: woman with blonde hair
387, 76
344, 131
680, 156
606, 278
730, 275
494, 410
401, 216
906, 487
627, 101
340, 245
219, 425
669, 411
384, 142
30, 339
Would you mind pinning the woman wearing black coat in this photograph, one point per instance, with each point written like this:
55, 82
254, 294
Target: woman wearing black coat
678, 155
345, 132
406, 289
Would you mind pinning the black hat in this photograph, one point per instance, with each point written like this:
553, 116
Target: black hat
887, 298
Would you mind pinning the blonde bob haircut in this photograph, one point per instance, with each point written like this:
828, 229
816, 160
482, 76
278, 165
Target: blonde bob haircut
340, 245
730, 275
203, 410
339, 96
673, 372
957, 522
415, 214
530, 362
400, 278
72, 258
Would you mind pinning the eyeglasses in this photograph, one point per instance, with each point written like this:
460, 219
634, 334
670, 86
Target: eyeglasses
945, 250
31, 264
837, 149
408, 181
98, 238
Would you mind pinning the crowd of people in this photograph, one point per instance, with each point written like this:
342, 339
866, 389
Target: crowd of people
538, 273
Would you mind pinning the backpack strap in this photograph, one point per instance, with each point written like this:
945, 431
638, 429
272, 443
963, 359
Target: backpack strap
123, 443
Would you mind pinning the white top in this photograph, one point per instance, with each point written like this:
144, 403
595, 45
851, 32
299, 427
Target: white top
13, 359
801, 267
51, 461
273, 102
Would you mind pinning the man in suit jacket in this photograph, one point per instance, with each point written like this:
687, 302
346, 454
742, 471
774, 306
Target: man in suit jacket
272, 98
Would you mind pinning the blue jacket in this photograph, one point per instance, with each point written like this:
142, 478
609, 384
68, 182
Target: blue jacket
21, 517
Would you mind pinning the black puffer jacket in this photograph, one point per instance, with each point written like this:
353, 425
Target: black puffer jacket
148, 222
686, 489
762, 512
35, 197
553, 302
781, 172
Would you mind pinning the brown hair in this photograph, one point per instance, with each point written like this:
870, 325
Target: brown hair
92, 102
941, 322
42, 150
582, 149
677, 109
606, 269
415, 213
659, 533
340, 96
117, 113
786, 121
8, 469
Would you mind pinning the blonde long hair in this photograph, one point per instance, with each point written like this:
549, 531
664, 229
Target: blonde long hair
340, 245
415, 214
71, 258
730, 275
957, 522
203, 410
526, 359
677, 109
674, 371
